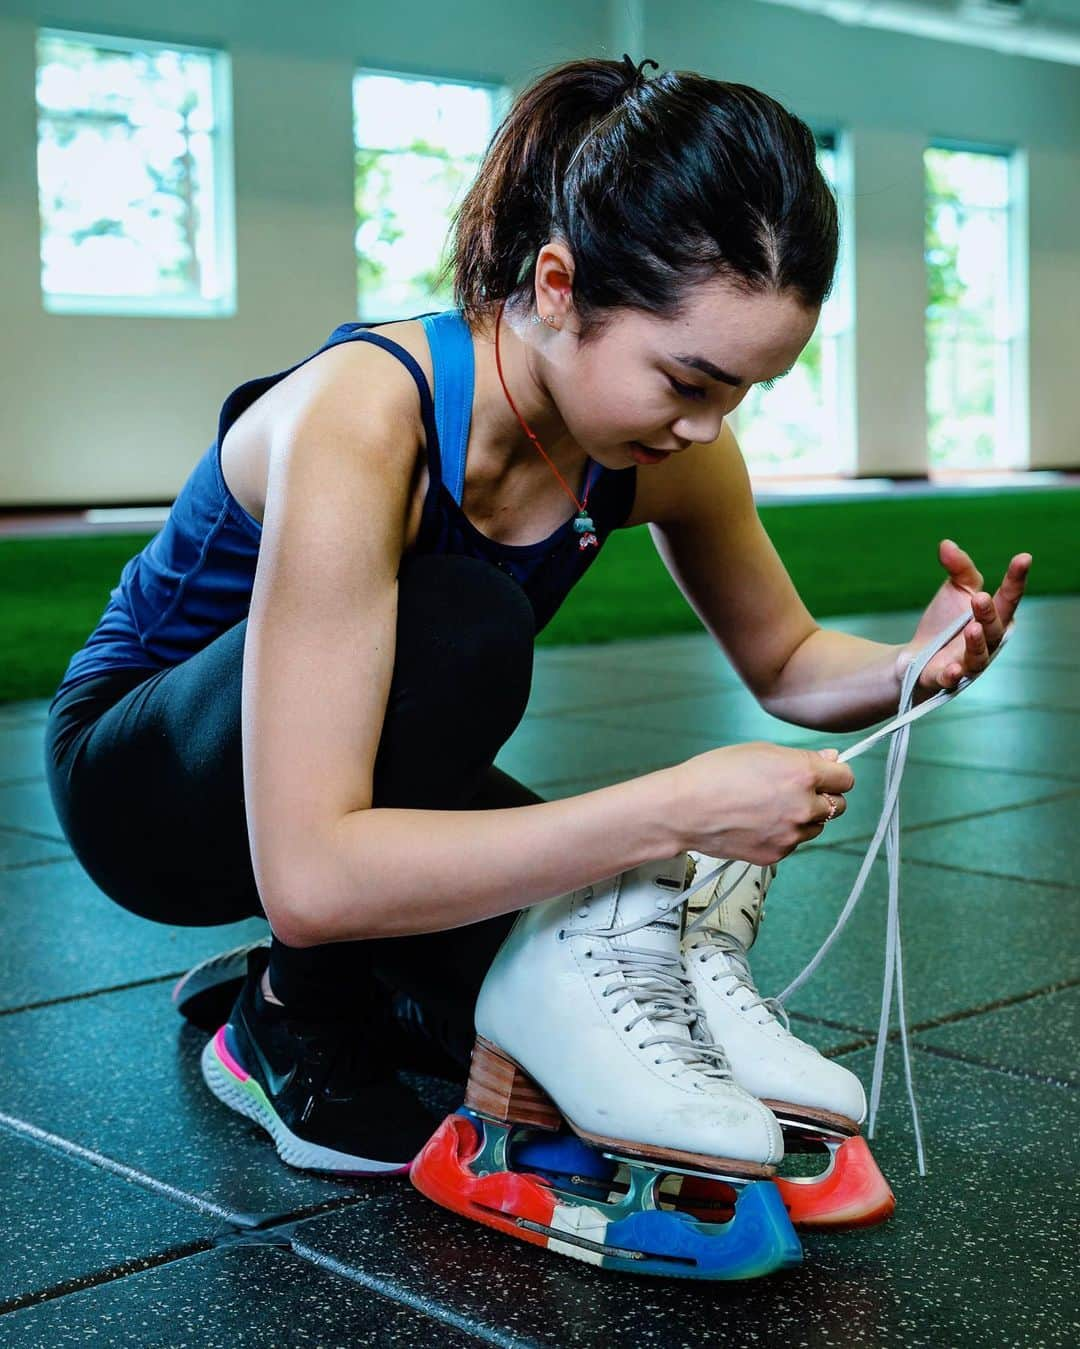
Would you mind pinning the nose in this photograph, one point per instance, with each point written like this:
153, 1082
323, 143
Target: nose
698, 430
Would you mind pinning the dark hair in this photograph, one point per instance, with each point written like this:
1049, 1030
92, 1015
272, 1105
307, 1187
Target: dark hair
653, 185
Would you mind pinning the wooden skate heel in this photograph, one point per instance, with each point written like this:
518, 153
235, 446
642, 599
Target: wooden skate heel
498, 1088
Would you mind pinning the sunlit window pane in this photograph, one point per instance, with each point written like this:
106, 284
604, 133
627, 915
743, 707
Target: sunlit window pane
128, 177
418, 146
968, 313
792, 429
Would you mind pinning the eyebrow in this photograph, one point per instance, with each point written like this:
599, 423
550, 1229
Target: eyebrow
714, 371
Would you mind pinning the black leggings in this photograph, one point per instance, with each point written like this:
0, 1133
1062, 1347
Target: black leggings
146, 776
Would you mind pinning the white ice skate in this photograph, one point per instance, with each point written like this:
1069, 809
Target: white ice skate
819, 1103
587, 1019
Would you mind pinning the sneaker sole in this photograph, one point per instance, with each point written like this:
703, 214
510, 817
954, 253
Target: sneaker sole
240, 1092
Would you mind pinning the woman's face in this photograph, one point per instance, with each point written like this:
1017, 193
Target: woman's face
633, 383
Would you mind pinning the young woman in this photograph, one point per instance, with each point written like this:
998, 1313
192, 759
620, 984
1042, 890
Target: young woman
294, 699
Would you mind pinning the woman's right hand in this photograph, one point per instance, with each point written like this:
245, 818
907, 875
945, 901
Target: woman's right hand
757, 802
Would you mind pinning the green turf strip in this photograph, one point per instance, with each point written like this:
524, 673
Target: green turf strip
844, 557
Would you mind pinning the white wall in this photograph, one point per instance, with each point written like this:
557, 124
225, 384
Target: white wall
892, 94
115, 410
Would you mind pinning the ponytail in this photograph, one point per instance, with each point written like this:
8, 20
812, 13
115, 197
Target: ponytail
653, 185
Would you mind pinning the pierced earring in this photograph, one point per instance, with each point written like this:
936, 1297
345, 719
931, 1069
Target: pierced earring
546, 318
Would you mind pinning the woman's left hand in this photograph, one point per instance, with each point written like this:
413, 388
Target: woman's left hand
969, 651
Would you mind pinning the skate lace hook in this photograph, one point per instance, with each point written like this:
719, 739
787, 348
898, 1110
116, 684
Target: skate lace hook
889, 829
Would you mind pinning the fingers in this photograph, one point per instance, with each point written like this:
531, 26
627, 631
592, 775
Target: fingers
983, 634
830, 776
959, 564
828, 801
1011, 590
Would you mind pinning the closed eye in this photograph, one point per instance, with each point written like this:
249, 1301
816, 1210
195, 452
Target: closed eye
768, 384
686, 390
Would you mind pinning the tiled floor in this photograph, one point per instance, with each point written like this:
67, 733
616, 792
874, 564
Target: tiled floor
139, 1211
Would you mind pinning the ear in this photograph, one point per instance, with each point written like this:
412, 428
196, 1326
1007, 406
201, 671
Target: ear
554, 279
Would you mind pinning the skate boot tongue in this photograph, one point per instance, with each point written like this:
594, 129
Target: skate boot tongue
732, 902
652, 891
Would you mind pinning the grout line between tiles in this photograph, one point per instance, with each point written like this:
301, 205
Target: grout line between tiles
134, 1265
1010, 1070
849, 851
1007, 808
205, 1207
996, 1006
396, 1293
35, 862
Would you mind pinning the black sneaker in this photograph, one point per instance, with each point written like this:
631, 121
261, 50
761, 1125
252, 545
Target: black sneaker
323, 1090
206, 994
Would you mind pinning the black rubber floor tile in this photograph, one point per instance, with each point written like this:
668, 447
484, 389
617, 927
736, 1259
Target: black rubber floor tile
18, 850
1031, 842
931, 794
1015, 741
64, 938
694, 655
704, 721
22, 751
238, 1297
968, 940
543, 750
978, 1252
28, 806
26, 710
119, 1073
1038, 1036
577, 688
66, 1221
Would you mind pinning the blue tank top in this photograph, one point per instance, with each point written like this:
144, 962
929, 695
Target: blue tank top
193, 580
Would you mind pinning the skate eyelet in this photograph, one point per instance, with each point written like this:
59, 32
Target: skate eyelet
561, 934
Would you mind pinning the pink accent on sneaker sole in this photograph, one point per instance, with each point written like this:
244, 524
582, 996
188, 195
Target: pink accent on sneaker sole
226, 1058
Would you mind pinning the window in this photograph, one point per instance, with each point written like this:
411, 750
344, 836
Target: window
131, 177
969, 310
799, 427
418, 143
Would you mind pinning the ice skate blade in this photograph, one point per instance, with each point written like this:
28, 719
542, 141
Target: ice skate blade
501, 1091
467, 1167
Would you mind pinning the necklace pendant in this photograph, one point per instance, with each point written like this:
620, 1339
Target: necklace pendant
583, 523
587, 541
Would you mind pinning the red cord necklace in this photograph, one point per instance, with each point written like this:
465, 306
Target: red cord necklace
583, 524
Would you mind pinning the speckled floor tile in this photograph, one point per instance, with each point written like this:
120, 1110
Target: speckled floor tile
28, 806
969, 940
1030, 842
543, 750
978, 1252
932, 795
63, 937
573, 688
123, 1079
32, 709
237, 1297
22, 751
1038, 1036
18, 850
1028, 740
694, 655
53, 1231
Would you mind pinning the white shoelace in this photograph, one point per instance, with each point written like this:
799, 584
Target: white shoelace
661, 985
889, 829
